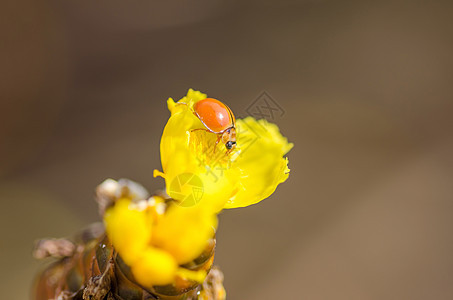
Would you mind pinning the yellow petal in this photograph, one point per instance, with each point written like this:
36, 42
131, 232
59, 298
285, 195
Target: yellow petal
199, 275
261, 166
184, 232
154, 267
128, 229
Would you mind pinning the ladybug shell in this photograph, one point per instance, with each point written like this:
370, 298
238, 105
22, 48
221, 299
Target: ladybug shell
215, 116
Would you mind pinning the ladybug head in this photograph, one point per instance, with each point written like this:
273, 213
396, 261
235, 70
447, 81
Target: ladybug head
230, 145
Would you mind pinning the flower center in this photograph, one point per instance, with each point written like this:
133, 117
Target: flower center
208, 148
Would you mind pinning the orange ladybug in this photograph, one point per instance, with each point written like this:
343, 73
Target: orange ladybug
217, 118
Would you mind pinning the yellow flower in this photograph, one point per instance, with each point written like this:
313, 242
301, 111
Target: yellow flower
199, 172
154, 244
157, 240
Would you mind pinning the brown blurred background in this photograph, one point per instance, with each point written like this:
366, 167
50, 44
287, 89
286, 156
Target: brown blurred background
365, 89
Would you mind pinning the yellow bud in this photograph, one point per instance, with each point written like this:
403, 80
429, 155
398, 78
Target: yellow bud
154, 267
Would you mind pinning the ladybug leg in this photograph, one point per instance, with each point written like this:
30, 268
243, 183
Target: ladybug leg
196, 129
207, 130
219, 137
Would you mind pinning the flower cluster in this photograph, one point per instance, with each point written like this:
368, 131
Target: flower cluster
154, 241
159, 241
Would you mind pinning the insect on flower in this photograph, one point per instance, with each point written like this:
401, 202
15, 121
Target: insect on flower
218, 118
154, 247
249, 175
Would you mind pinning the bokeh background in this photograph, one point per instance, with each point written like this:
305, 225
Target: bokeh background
365, 91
